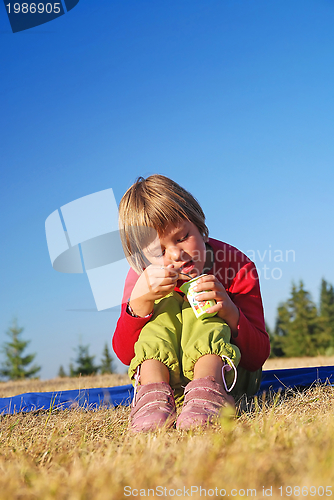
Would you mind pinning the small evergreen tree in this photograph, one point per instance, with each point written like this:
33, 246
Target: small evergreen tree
15, 365
275, 348
84, 362
61, 372
326, 317
106, 361
297, 325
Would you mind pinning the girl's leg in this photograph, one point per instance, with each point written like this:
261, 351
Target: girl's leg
209, 365
158, 345
248, 383
152, 371
157, 354
204, 342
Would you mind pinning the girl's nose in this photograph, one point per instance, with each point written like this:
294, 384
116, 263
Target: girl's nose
174, 253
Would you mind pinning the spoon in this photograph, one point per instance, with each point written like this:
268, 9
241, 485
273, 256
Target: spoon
185, 274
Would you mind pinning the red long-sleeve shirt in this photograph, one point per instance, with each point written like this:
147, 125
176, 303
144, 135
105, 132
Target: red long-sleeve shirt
239, 276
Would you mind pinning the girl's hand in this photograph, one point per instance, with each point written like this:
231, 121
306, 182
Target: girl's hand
154, 283
211, 288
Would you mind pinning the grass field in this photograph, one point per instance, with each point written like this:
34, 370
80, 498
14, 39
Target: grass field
278, 363
285, 442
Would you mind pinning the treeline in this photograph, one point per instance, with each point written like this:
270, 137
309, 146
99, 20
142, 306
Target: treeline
85, 363
302, 328
17, 365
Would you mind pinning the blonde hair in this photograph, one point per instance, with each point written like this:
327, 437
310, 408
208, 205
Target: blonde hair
146, 209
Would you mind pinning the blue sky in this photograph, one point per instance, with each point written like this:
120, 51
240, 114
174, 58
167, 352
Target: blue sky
233, 99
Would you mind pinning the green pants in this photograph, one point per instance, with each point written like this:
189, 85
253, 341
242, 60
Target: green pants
178, 339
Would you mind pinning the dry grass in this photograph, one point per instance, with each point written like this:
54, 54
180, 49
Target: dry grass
13, 388
80, 455
272, 364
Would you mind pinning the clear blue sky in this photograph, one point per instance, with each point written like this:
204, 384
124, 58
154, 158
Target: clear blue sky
233, 99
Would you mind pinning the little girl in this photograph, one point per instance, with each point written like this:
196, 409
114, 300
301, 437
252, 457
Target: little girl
166, 242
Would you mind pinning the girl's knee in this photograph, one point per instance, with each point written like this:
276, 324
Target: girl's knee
152, 371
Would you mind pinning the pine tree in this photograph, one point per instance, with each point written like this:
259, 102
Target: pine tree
71, 370
85, 362
106, 361
280, 333
297, 326
326, 317
15, 365
275, 346
61, 372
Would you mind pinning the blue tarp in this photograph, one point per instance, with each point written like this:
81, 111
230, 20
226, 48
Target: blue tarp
90, 399
113, 396
296, 377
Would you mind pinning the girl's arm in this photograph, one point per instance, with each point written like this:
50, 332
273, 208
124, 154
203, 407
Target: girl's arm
128, 328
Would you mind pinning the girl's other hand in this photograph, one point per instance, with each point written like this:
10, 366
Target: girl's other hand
209, 288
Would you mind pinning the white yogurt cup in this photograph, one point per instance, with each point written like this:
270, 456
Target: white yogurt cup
200, 310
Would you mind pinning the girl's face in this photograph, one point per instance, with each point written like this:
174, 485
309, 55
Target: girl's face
181, 245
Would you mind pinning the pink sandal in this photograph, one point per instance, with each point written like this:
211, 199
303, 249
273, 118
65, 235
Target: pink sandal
153, 407
203, 401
